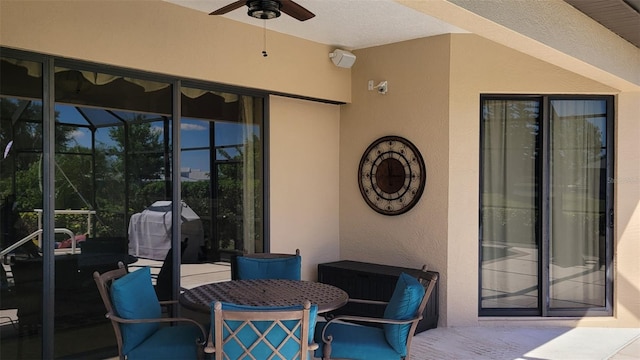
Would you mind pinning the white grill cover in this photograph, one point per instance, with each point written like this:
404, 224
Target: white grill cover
150, 232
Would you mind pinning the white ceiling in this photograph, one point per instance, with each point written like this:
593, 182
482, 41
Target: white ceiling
348, 24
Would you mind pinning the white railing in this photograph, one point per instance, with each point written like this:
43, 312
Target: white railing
36, 234
89, 214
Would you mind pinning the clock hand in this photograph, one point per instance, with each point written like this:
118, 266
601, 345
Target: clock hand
389, 172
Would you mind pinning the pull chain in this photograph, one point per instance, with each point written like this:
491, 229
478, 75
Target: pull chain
264, 30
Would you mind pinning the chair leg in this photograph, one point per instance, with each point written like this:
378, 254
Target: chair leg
326, 349
209, 348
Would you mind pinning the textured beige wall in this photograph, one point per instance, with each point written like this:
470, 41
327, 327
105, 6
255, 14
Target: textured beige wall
415, 107
627, 210
156, 36
433, 100
304, 157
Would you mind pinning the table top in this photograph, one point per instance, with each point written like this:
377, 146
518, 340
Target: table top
264, 292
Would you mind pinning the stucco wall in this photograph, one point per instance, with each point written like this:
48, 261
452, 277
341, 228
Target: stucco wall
157, 36
627, 210
304, 156
434, 90
415, 107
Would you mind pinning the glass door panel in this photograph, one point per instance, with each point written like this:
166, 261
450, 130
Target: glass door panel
221, 168
21, 193
112, 162
509, 247
545, 200
578, 203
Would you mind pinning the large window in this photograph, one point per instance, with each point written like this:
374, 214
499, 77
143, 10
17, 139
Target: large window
95, 163
546, 218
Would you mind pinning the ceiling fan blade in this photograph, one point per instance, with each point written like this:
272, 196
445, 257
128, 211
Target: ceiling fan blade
296, 11
225, 9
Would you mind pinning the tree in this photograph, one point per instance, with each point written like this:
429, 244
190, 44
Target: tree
145, 158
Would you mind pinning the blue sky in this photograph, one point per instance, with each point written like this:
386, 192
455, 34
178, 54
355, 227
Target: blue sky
194, 134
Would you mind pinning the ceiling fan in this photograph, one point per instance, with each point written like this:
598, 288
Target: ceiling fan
268, 9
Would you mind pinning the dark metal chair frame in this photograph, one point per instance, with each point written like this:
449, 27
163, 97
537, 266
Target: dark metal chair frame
104, 281
428, 281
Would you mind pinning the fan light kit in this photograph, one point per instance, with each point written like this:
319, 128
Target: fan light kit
382, 87
263, 9
268, 9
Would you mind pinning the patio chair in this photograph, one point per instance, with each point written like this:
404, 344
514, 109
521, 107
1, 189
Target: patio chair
341, 338
266, 266
259, 332
141, 331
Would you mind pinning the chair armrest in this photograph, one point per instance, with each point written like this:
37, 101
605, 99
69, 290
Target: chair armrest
118, 319
328, 316
370, 302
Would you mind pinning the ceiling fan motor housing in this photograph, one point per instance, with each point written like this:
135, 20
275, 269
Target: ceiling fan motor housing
264, 9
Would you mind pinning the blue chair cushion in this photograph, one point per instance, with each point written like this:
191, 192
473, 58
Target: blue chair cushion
170, 343
351, 341
247, 336
287, 268
403, 305
133, 297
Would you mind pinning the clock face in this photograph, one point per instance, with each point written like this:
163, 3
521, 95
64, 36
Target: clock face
391, 175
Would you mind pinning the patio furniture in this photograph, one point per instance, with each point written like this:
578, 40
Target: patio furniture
264, 292
370, 281
77, 302
266, 266
340, 338
135, 313
264, 332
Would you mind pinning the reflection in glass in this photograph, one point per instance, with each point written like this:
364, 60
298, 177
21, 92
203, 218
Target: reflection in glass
112, 161
113, 174
552, 200
578, 190
21, 145
222, 169
510, 204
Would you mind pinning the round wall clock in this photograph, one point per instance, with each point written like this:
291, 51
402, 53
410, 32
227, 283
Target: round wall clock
391, 175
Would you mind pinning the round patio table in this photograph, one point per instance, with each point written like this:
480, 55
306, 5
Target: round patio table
264, 292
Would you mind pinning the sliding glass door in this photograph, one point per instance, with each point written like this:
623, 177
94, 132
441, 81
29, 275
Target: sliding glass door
100, 165
545, 226
22, 143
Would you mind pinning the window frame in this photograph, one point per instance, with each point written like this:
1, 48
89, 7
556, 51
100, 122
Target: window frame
542, 226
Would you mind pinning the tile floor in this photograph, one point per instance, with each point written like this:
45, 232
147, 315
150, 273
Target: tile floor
526, 343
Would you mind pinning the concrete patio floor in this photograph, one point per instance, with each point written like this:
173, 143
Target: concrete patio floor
531, 343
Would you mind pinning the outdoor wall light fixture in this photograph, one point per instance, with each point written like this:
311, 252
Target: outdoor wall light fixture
382, 87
